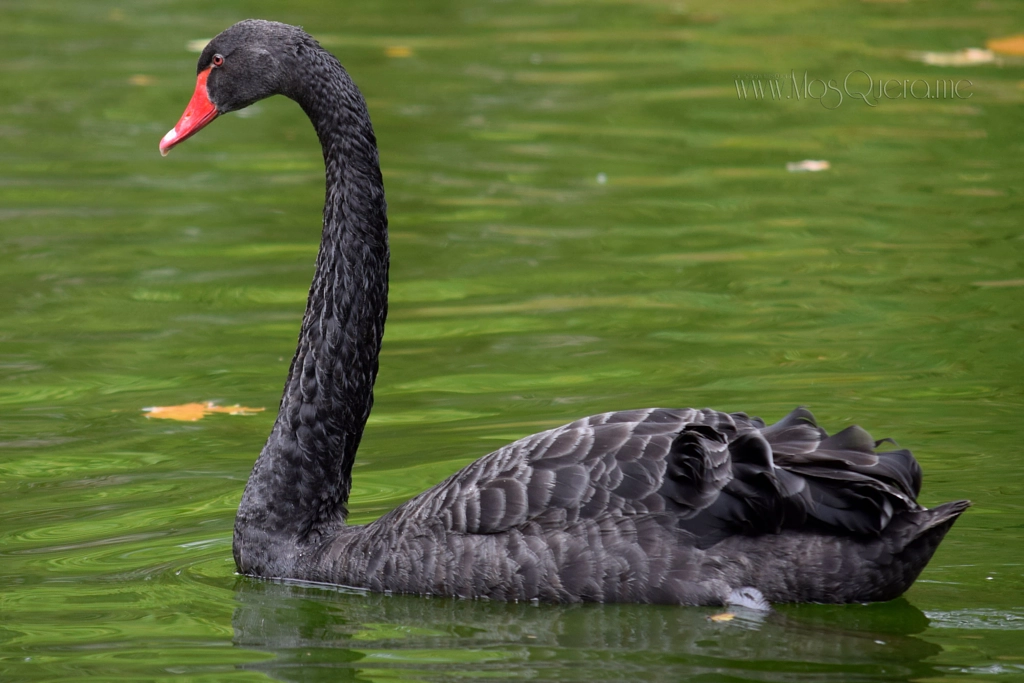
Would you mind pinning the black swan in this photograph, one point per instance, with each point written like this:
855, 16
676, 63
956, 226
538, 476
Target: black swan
657, 505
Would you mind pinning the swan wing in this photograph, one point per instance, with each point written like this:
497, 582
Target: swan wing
710, 474
625, 463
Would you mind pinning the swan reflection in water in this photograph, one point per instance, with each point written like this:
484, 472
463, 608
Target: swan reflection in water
336, 634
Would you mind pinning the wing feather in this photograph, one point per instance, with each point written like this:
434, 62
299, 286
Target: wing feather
709, 474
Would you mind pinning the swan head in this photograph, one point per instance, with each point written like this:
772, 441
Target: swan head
245, 63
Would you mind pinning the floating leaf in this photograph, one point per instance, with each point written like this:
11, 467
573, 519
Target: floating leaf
142, 79
191, 412
810, 165
965, 57
724, 616
1011, 45
398, 51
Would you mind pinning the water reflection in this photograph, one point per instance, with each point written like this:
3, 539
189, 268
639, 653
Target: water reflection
318, 633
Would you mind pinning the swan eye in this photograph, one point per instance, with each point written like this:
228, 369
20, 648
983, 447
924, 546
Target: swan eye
217, 60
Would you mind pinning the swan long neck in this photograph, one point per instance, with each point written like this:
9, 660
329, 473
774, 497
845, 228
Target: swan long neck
300, 484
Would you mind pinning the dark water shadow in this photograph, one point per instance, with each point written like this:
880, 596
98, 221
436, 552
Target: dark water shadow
316, 633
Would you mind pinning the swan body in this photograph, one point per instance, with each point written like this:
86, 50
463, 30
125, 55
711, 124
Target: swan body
656, 505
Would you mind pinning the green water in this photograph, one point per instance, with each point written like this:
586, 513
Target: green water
526, 293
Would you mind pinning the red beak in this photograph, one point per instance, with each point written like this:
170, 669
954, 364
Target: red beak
199, 112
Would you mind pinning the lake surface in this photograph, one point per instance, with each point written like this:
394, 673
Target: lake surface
587, 215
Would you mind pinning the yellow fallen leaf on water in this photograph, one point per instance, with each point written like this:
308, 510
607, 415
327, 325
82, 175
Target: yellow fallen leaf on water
398, 51
1010, 45
142, 79
190, 412
724, 616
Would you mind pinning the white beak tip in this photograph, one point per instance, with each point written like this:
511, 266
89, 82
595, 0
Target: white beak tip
167, 141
